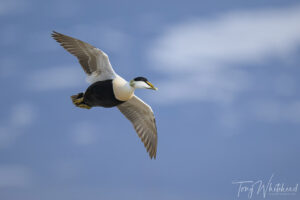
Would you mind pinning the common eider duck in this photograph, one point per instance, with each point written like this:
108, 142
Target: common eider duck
108, 89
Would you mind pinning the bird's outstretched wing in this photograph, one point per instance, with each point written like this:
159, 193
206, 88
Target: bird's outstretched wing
142, 118
94, 62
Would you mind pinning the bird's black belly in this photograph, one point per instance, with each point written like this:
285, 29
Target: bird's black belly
101, 94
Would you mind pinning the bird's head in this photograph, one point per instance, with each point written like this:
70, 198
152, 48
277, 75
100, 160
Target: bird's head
141, 82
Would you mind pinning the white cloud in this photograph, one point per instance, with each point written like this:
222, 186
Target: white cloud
203, 58
84, 133
230, 38
218, 86
22, 116
14, 176
56, 78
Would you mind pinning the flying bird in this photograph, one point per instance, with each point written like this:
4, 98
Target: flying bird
108, 89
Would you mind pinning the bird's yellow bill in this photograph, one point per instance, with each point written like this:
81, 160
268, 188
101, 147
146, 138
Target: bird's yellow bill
152, 86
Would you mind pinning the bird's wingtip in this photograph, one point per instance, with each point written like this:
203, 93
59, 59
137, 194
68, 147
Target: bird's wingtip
55, 33
152, 156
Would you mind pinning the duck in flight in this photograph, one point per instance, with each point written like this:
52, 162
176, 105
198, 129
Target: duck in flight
108, 89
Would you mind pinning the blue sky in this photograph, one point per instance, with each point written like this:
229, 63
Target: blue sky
227, 109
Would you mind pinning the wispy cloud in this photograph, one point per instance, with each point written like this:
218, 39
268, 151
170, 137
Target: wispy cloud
232, 38
84, 133
61, 77
206, 57
209, 60
22, 116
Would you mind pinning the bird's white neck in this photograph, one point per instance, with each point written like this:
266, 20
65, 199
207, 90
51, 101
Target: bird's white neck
122, 89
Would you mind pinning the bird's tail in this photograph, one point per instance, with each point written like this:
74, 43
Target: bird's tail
78, 100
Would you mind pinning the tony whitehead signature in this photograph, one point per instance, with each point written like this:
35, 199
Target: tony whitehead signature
251, 188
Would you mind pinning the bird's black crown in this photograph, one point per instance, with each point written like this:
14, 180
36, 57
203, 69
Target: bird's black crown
140, 78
